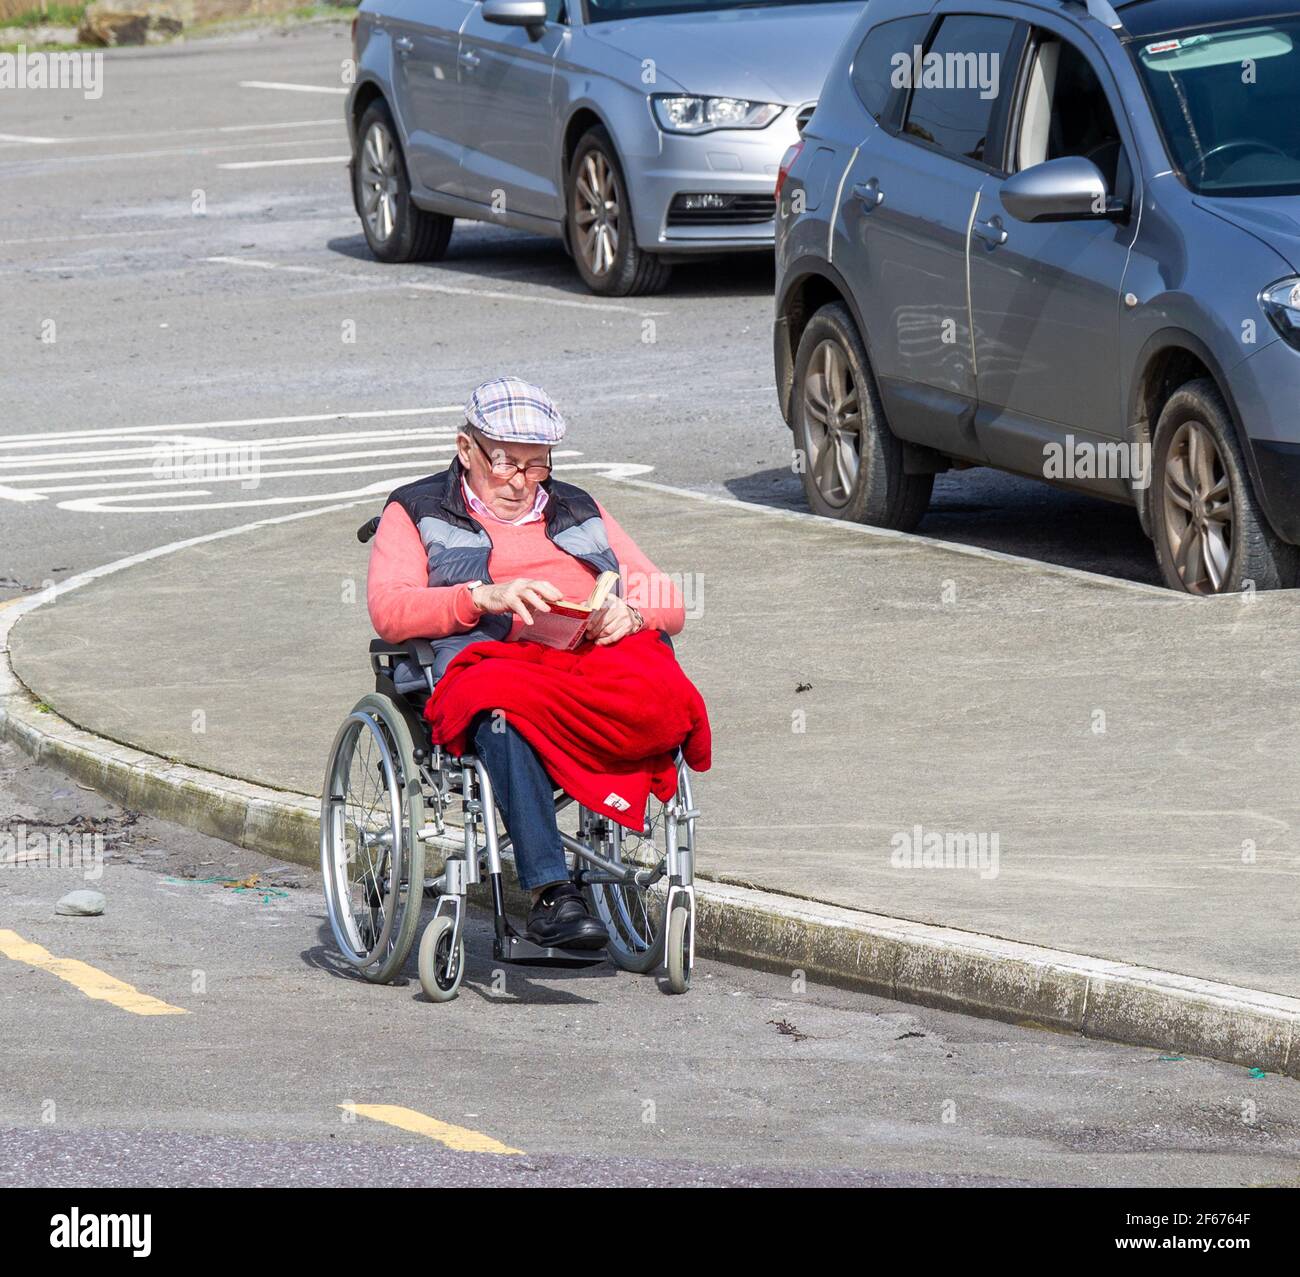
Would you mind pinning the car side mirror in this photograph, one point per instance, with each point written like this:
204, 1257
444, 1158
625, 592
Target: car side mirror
1065, 190
529, 14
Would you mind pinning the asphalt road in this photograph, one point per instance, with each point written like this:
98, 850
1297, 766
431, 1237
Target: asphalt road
182, 275
278, 1065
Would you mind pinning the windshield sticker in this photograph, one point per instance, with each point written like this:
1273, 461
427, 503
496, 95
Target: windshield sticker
1165, 46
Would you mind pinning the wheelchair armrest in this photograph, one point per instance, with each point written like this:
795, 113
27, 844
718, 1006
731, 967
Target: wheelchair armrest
419, 650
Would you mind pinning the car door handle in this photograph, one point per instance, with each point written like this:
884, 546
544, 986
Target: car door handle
469, 59
991, 232
404, 44
870, 193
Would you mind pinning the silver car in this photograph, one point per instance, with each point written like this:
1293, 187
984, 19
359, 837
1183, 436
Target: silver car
641, 132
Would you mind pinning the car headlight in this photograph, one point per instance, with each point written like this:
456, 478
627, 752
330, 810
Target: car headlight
680, 114
1281, 304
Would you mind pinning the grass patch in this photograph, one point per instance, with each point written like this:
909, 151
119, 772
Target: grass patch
56, 15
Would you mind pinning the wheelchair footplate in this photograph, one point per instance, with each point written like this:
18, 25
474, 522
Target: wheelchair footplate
512, 947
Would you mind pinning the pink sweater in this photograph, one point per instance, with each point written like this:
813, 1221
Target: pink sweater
403, 605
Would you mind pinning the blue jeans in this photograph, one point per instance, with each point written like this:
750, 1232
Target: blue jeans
526, 799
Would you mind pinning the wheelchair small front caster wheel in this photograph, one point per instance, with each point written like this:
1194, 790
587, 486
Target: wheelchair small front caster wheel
677, 949
439, 977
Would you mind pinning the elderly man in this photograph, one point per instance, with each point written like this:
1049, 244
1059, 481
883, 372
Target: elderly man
472, 554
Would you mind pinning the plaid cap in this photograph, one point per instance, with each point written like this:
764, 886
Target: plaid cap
514, 411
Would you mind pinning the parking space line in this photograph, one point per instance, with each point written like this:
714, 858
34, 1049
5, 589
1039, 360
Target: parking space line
451, 290
20, 139
47, 162
82, 976
315, 159
290, 88
459, 1138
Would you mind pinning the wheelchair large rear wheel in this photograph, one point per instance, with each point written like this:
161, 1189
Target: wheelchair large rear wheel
634, 915
372, 858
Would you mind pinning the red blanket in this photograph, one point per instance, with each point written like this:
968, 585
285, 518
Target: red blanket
604, 720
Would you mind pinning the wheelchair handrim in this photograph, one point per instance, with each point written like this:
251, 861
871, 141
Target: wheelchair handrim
387, 871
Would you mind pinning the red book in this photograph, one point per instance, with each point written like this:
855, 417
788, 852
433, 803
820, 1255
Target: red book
565, 625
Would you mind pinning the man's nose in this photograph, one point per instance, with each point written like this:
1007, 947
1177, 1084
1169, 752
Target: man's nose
518, 482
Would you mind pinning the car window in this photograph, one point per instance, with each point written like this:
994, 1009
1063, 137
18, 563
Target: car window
555, 11
1065, 111
881, 61
1226, 100
959, 85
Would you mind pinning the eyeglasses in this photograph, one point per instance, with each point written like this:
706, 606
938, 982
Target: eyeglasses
537, 471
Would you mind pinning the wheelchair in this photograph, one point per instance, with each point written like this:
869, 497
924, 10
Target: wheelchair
394, 803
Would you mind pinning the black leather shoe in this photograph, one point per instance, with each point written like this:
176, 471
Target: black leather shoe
560, 920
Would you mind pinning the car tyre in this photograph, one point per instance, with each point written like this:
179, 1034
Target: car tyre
1210, 533
851, 463
599, 224
396, 229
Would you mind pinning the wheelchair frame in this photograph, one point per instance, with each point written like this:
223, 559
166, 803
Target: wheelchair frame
440, 779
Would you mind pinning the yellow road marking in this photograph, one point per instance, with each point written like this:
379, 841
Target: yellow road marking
461, 1138
4, 603
81, 975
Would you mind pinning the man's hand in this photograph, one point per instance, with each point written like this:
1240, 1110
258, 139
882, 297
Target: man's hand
615, 621
516, 596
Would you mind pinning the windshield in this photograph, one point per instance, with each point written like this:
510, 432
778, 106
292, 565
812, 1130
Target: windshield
1227, 101
609, 10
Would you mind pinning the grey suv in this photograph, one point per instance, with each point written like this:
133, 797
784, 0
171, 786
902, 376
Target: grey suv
1061, 239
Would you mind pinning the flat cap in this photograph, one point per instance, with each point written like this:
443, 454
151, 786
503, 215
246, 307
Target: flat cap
514, 411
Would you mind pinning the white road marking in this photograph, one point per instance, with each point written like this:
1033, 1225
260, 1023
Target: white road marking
126, 137
451, 290
64, 239
315, 159
192, 426
290, 88
280, 443
15, 494
36, 166
179, 469
111, 505
226, 445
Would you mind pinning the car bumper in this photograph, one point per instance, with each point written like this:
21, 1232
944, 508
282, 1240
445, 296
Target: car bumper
1266, 391
734, 162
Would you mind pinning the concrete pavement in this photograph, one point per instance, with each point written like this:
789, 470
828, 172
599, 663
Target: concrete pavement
1119, 753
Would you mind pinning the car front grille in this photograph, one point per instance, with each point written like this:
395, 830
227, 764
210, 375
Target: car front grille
735, 210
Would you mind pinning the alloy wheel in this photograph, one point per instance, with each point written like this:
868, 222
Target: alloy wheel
832, 410
379, 182
1200, 516
596, 213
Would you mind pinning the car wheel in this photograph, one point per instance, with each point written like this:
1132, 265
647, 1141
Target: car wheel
599, 226
396, 229
852, 464
1210, 535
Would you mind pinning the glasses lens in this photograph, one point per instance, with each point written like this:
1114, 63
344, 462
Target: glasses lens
538, 472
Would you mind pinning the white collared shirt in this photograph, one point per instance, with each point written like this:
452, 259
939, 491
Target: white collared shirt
476, 504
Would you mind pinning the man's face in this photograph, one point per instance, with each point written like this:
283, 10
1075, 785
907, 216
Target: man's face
507, 498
